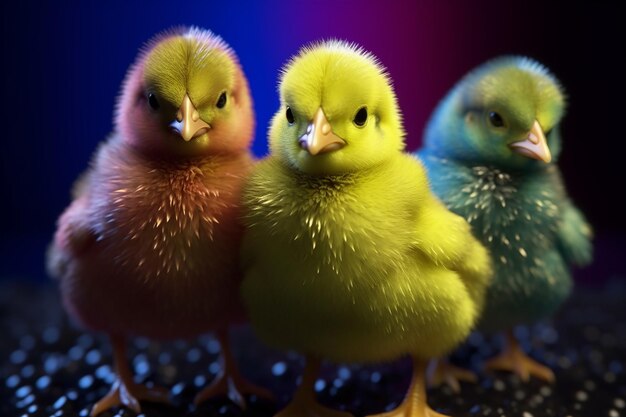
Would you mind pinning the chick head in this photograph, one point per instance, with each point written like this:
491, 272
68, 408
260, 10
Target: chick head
186, 96
338, 111
505, 112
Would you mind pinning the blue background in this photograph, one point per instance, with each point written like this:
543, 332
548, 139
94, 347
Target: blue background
62, 65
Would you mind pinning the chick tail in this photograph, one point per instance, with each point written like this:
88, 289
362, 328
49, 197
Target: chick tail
56, 263
575, 236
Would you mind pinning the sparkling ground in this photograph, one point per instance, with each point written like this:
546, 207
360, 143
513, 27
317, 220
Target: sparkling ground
49, 368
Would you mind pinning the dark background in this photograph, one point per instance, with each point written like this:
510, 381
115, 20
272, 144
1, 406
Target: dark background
62, 65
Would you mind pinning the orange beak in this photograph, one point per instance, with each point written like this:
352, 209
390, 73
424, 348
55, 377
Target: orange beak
188, 122
534, 145
319, 136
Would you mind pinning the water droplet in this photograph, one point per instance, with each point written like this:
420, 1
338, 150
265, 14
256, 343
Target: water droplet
344, 373
85, 382
279, 368
17, 357
43, 382
178, 388
214, 368
23, 391
320, 384
60, 402
199, 381
375, 377
28, 371
12, 381
93, 357
50, 335
193, 355
213, 346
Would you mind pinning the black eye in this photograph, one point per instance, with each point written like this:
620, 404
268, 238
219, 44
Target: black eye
153, 102
221, 101
360, 117
495, 119
289, 115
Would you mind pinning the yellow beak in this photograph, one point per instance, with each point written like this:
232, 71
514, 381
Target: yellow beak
188, 122
319, 136
534, 145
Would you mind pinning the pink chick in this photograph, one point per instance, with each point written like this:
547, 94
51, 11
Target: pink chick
149, 245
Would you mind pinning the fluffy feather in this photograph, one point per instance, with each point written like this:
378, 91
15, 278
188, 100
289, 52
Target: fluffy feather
517, 206
343, 253
149, 245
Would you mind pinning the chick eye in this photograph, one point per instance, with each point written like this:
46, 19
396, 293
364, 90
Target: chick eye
153, 102
360, 117
289, 115
495, 119
221, 101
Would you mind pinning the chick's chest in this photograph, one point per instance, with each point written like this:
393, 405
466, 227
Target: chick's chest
511, 211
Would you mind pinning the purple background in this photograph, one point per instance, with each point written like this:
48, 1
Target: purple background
63, 65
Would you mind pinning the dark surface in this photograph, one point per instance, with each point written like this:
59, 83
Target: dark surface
50, 368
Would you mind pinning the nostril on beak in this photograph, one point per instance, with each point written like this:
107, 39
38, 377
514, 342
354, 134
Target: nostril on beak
303, 143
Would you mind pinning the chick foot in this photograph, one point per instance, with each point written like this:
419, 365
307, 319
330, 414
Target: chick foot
129, 396
304, 403
414, 404
514, 359
125, 392
442, 371
230, 383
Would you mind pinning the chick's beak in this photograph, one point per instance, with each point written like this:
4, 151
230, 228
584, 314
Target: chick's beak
188, 122
319, 136
534, 145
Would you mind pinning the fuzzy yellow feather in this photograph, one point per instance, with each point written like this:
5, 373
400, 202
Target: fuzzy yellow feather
348, 255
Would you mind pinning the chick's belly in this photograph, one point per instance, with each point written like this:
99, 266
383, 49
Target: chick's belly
422, 310
106, 296
524, 293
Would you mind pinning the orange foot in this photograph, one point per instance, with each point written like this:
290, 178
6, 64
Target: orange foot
129, 395
304, 403
406, 411
230, 383
233, 386
441, 371
514, 359
415, 402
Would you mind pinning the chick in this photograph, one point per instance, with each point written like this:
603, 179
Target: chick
347, 254
490, 151
149, 245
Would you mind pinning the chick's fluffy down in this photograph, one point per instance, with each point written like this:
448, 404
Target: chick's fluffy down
334, 268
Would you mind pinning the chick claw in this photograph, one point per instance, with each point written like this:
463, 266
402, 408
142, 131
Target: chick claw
415, 402
233, 387
514, 359
407, 411
518, 362
442, 371
129, 396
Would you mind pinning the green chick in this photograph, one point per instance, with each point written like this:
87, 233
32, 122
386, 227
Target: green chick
490, 149
348, 256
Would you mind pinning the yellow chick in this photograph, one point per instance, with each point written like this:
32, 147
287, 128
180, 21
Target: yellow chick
348, 256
